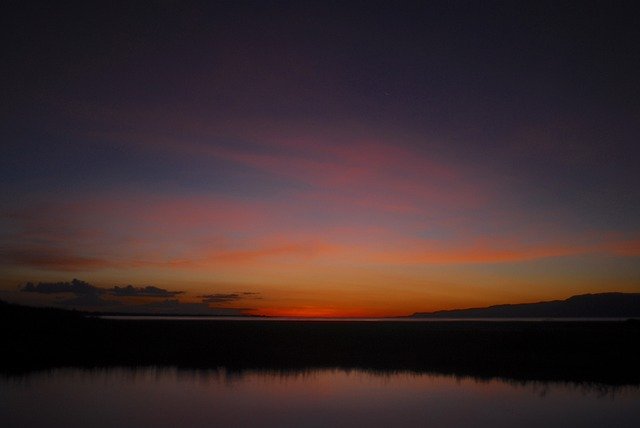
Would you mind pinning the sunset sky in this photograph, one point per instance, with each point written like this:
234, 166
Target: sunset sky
318, 158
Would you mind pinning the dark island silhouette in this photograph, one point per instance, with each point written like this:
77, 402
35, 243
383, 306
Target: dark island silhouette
602, 305
602, 352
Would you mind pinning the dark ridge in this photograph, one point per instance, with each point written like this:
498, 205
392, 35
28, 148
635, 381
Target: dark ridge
603, 305
35, 315
603, 352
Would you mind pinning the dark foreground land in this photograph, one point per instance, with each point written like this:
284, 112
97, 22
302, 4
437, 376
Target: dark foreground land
603, 352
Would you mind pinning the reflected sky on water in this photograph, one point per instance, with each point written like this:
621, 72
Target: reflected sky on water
312, 398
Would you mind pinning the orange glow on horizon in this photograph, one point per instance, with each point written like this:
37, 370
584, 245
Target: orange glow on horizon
322, 312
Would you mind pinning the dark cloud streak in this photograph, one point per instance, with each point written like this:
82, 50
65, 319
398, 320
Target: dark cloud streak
148, 291
88, 296
228, 297
82, 288
76, 287
52, 259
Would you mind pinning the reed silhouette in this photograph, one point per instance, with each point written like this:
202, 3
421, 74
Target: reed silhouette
601, 351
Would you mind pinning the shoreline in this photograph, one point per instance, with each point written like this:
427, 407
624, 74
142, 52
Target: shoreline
587, 351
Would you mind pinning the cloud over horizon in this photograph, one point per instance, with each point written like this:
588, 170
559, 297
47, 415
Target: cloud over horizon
147, 291
88, 296
228, 297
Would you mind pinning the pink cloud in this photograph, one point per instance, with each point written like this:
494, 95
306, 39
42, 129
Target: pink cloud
497, 251
624, 248
345, 163
265, 250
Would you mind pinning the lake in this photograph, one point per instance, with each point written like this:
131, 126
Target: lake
170, 397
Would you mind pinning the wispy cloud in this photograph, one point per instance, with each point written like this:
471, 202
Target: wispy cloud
501, 252
52, 258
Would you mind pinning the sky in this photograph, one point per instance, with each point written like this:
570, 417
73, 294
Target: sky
318, 158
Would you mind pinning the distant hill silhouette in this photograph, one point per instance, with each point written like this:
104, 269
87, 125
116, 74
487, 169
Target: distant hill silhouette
603, 305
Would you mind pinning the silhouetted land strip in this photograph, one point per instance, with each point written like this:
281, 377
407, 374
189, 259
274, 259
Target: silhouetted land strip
601, 305
601, 352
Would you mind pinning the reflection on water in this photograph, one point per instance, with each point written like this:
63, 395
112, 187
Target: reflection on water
314, 398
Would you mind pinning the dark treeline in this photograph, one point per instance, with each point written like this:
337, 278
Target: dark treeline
602, 352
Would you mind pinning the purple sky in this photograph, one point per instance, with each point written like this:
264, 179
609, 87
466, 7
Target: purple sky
320, 158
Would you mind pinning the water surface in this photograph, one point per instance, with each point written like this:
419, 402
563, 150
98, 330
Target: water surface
166, 397
390, 319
